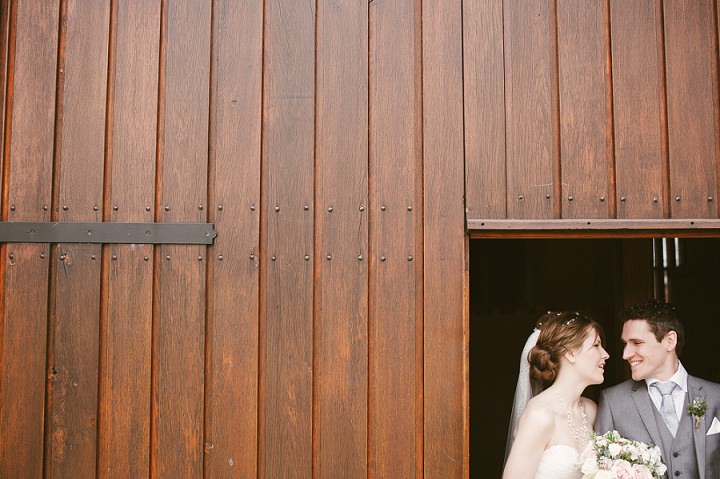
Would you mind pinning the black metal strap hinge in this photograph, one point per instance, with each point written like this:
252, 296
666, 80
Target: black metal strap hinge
114, 233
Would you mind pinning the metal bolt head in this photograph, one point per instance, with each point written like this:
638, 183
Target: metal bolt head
709, 198
277, 208
622, 199
115, 207
362, 208
570, 198
382, 258
307, 257
521, 197
330, 209
677, 198
383, 207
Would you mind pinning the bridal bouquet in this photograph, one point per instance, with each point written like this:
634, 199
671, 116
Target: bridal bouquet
611, 456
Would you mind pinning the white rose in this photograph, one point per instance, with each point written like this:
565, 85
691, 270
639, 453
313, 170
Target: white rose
615, 450
589, 466
603, 474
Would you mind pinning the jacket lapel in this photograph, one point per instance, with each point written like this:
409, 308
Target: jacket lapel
695, 390
644, 406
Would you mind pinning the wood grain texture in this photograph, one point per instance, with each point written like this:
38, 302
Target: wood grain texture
484, 105
692, 96
75, 325
25, 267
395, 329
533, 187
585, 109
178, 380
341, 238
127, 308
234, 207
638, 108
445, 445
286, 330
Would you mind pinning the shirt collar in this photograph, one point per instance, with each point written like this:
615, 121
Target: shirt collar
680, 378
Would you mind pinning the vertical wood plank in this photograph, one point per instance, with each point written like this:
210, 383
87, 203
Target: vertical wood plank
395, 327
126, 331
4, 45
341, 309
28, 159
484, 92
179, 324
286, 342
585, 108
233, 310
76, 306
445, 327
638, 108
531, 110
692, 107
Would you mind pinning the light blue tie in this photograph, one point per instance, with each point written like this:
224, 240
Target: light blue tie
667, 406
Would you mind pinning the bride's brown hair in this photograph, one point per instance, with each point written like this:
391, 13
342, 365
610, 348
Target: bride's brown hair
560, 332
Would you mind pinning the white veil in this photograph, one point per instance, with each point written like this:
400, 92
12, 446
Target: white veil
523, 390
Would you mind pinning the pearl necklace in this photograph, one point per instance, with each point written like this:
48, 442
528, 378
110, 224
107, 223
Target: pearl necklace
582, 433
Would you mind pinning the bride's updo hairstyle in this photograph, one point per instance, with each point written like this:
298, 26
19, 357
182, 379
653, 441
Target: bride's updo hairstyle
560, 332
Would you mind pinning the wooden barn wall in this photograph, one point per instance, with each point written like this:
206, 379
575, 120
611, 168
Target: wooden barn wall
603, 109
322, 333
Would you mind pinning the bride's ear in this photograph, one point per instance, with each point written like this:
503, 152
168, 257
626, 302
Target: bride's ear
570, 356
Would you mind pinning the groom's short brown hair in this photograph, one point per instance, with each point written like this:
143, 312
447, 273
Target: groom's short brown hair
661, 317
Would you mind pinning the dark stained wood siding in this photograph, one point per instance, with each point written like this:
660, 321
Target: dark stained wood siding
342, 151
611, 110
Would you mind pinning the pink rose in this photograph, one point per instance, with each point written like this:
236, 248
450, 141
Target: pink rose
622, 469
641, 471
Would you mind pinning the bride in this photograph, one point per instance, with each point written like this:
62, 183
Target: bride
555, 425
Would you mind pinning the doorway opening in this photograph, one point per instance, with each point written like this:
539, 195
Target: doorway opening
514, 281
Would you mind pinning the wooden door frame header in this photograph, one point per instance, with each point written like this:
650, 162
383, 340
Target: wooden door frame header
594, 228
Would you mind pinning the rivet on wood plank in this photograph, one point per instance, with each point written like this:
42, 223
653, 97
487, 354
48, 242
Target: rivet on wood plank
710, 198
93, 257
167, 207
330, 209
277, 208
146, 258
382, 258
220, 207
273, 257
45, 207
115, 207
409, 208
570, 197
220, 257
252, 256
362, 208
521, 197
200, 258
114, 257
12, 207
383, 207
306, 207
11, 256
147, 208
329, 257
66, 207
547, 196
42, 255
200, 207
252, 207
307, 257
96, 207
360, 257
677, 198
655, 199
622, 199
410, 258
602, 199
167, 257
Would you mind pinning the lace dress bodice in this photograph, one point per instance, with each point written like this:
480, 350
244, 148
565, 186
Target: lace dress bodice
559, 462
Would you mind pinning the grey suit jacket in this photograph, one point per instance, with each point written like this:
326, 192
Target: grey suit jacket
627, 409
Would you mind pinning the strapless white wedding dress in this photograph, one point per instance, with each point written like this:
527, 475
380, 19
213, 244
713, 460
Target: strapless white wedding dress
559, 462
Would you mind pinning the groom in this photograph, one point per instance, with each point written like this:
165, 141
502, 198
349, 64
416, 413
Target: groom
653, 336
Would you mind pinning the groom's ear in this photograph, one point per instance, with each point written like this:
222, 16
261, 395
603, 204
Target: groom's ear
670, 340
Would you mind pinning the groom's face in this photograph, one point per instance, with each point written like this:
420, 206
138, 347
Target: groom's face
648, 357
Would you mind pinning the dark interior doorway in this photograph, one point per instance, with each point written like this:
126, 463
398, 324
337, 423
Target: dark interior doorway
514, 281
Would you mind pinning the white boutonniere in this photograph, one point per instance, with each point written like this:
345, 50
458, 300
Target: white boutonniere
697, 409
